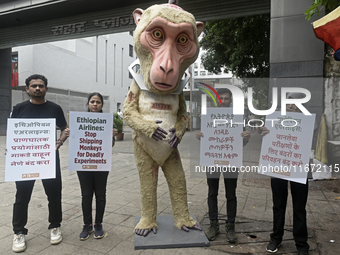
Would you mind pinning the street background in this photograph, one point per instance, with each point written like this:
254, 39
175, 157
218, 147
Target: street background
253, 221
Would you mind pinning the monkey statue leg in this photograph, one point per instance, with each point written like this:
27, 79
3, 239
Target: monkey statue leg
175, 177
148, 177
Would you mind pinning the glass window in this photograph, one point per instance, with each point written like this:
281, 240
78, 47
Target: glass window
130, 50
15, 81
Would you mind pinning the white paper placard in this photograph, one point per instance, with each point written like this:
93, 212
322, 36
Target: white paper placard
90, 144
30, 149
285, 151
221, 145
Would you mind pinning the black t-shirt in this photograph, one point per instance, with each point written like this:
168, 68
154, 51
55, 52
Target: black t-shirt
40, 111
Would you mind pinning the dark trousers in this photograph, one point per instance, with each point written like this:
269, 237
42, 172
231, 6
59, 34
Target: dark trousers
299, 194
93, 183
23, 196
230, 184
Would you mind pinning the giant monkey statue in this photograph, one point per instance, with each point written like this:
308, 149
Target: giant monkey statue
165, 41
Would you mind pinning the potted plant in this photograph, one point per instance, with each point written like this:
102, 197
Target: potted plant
118, 124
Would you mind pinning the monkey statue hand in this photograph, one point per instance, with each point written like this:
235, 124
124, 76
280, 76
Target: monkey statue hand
159, 133
145, 232
174, 140
196, 227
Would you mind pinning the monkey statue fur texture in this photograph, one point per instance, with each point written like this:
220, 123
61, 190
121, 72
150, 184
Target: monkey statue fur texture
165, 41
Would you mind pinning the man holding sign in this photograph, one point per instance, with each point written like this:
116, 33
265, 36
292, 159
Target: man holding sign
38, 107
230, 183
289, 148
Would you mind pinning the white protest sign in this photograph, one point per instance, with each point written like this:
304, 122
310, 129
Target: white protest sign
286, 149
30, 149
221, 143
90, 144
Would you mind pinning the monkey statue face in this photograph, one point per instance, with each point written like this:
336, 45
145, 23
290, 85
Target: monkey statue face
169, 45
166, 43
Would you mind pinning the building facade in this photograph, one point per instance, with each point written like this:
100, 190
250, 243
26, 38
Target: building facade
74, 68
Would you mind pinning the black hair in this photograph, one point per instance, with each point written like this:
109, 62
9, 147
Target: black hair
95, 94
36, 77
222, 91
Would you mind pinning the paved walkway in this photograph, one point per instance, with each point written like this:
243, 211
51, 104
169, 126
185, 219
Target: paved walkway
254, 216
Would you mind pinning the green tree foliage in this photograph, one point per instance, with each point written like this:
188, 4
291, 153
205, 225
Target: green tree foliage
319, 4
240, 45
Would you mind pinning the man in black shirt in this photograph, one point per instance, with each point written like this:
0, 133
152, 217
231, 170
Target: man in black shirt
38, 107
299, 194
230, 184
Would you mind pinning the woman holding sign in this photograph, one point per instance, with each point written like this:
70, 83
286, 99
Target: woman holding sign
93, 182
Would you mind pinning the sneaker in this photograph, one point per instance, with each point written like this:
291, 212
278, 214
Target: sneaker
230, 231
86, 232
272, 246
98, 231
56, 237
213, 230
19, 244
